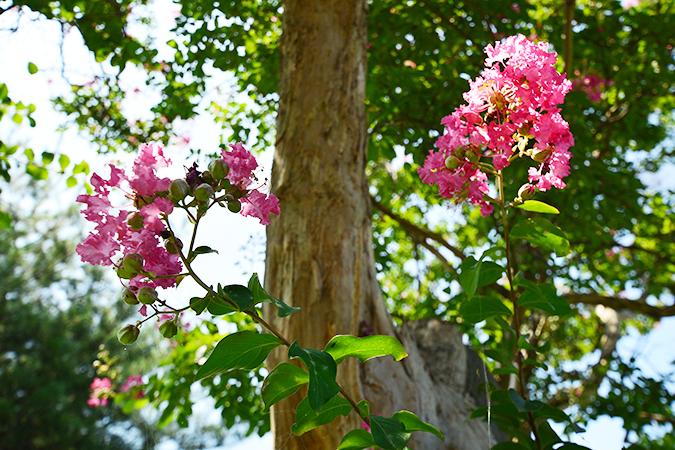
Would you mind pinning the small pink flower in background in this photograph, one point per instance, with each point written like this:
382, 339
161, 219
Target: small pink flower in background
592, 85
513, 102
100, 392
628, 4
131, 383
242, 166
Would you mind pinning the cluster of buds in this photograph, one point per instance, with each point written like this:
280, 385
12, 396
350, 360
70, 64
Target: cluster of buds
138, 241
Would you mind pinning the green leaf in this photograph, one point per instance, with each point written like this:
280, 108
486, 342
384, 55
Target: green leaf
63, 162
243, 350
364, 407
32, 68
364, 348
5, 220
356, 440
47, 158
37, 172
389, 433
218, 306
201, 250
282, 382
508, 445
468, 278
542, 233
260, 295
322, 373
414, 423
572, 446
542, 296
480, 308
489, 273
538, 207
522, 404
307, 419
239, 295
71, 181
198, 304
547, 436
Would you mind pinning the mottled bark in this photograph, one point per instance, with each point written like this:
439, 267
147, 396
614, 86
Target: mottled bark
320, 250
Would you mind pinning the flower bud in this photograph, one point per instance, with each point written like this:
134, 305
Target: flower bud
172, 248
452, 162
129, 297
203, 192
168, 329
133, 263
472, 156
540, 155
179, 189
128, 335
135, 221
219, 169
125, 274
234, 205
526, 191
147, 295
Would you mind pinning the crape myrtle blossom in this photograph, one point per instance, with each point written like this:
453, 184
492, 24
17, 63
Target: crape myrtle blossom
100, 392
511, 111
242, 167
120, 233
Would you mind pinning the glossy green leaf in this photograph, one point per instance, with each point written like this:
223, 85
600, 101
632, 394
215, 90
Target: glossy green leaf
47, 158
538, 207
64, 161
414, 423
547, 436
468, 278
260, 295
307, 419
389, 433
32, 68
482, 307
242, 350
364, 407
239, 295
542, 296
322, 373
542, 233
282, 382
217, 306
522, 404
356, 440
490, 272
198, 304
364, 348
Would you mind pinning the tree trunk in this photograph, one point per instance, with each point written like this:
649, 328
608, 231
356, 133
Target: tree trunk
320, 250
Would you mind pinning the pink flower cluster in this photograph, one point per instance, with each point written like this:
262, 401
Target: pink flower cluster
242, 167
114, 236
100, 392
514, 102
131, 383
591, 85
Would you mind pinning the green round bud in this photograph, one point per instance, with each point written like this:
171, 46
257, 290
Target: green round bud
452, 162
526, 191
125, 274
172, 248
133, 263
168, 329
128, 335
135, 221
203, 192
473, 156
129, 297
147, 295
234, 205
179, 189
219, 169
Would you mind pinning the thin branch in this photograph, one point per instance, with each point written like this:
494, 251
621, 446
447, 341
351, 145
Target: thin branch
639, 306
417, 230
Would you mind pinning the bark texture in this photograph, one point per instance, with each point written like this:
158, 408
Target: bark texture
320, 250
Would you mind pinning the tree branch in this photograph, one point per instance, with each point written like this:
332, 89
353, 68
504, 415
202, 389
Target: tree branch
639, 306
415, 230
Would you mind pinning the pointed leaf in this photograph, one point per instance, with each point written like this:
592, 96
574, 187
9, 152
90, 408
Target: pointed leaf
282, 382
218, 306
542, 296
538, 207
468, 278
364, 348
522, 404
414, 423
356, 440
542, 233
5, 220
199, 304
480, 308
389, 433
322, 372
32, 68
490, 272
239, 295
203, 249
547, 436
306, 419
260, 295
242, 350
